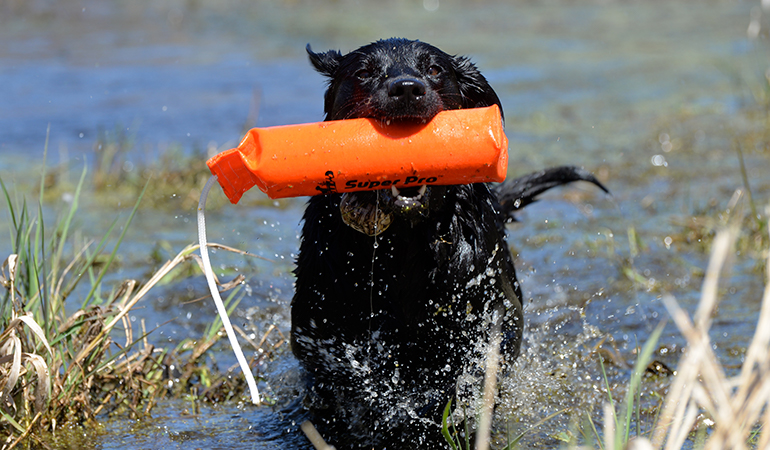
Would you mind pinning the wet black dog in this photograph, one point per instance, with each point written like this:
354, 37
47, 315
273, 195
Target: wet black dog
397, 290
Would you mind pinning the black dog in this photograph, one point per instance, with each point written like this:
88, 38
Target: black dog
397, 290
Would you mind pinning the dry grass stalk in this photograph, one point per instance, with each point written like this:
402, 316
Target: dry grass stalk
12, 350
738, 408
490, 384
735, 405
314, 436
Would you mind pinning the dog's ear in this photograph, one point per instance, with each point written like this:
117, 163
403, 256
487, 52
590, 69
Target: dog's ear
474, 88
325, 62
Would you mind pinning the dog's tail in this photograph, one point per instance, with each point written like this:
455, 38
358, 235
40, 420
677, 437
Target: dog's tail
520, 192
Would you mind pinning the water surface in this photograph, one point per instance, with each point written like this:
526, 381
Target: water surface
648, 95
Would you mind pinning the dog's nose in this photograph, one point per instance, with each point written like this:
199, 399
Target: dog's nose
406, 89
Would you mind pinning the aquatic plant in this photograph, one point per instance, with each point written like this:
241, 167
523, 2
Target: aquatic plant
67, 354
58, 368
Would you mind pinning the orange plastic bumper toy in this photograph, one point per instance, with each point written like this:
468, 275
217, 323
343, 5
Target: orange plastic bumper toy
456, 147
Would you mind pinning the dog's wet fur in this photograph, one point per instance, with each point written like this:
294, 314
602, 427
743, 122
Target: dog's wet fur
384, 325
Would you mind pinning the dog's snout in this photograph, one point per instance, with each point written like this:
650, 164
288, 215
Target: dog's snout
406, 89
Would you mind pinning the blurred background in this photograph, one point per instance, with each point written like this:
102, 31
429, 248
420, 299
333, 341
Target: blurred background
666, 102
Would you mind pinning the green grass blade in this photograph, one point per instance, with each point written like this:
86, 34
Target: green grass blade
19, 242
607, 385
10, 207
512, 445
45, 155
596, 432
117, 245
29, 260
13, 423
230, 306
84, 267
638, 403
39, 254
745, 178
4, 314
636, 380
66, 335
18, 247
445, 425
40, 268
62, 231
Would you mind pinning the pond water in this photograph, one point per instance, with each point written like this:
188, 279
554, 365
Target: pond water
648, 95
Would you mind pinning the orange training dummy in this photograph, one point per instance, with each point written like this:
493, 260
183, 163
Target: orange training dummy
456, 147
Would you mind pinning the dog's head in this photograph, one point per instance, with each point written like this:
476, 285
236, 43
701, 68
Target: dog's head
396, 81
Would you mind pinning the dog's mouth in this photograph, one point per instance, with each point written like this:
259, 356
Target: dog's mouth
408, 200
372, 212
406, 120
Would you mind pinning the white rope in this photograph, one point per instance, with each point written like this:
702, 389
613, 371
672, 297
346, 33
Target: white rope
217, 298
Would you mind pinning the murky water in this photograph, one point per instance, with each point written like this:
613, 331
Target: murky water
649, 95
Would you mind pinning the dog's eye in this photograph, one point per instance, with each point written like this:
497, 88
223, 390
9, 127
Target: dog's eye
434, 71
363, 74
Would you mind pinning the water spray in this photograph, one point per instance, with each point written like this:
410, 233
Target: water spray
455, 147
